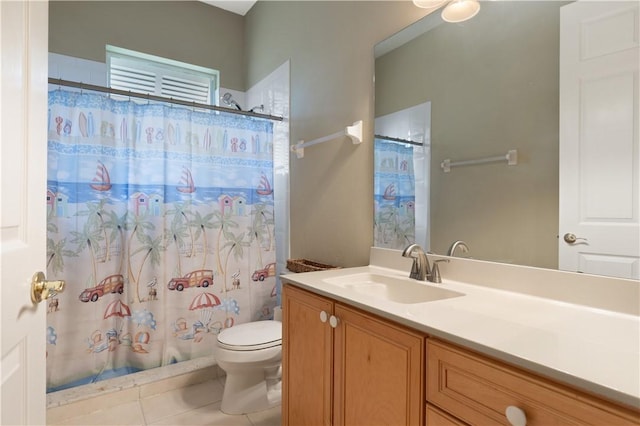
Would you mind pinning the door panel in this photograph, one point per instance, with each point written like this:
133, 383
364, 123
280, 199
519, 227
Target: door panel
378, 371
23, 116
307, 349
599, 149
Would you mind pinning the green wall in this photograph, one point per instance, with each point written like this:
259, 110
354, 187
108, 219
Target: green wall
187, 31
330, 48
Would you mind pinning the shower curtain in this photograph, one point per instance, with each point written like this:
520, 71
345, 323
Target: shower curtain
394, 195
160, 220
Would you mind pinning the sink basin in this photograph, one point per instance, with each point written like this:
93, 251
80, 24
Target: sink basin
390, 288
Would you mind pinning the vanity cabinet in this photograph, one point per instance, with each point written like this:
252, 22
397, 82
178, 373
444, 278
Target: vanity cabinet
477, 390
342, 366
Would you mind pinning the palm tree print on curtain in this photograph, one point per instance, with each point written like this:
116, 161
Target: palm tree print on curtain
157, 218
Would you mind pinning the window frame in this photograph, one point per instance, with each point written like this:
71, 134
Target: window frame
169, 78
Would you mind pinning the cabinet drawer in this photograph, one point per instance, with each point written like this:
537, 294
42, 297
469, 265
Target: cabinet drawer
436, 417
478, 390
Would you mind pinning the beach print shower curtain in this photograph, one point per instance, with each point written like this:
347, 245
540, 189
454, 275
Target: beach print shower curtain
394, 195
160, 220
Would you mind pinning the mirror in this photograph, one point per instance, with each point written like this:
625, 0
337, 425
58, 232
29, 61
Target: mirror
493, 86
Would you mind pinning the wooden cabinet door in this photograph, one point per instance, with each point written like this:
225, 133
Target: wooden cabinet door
378, 371
307, 349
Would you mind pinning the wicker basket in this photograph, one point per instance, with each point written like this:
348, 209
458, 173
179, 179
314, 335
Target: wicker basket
304, 265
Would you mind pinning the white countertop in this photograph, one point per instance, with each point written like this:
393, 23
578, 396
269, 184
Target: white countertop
591, 348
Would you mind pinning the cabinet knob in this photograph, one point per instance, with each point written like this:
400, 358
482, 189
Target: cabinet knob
333, 321
323, 316
516, 416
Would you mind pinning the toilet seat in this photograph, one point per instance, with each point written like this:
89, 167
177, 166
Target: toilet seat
251, 336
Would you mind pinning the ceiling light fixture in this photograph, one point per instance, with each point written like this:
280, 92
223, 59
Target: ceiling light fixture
454, 11
460, 10
429, 4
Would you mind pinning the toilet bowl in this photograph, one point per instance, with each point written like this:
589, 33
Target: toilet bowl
251, 355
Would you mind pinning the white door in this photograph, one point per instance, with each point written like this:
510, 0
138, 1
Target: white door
599, 149
23, 149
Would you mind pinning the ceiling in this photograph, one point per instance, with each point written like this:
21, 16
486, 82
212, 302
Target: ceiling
241, 7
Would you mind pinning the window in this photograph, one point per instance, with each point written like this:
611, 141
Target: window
142, 73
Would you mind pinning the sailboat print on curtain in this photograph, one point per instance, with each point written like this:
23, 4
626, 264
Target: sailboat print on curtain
389, 192
264, 187
186, 184
127, 218
102, 181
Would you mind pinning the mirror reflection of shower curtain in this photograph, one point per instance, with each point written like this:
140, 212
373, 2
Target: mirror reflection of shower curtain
401, 178
158, 217
394, 195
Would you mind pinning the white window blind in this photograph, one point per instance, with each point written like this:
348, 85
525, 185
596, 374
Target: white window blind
142, 73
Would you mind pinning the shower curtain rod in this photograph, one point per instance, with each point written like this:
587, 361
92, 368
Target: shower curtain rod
389, 138
149, 97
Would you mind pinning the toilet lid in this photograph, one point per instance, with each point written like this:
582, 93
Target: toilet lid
251, 336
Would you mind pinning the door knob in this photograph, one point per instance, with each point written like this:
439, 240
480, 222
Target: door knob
571, 238
41, 289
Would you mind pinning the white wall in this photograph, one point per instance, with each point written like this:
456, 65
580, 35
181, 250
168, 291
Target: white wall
76, 69
273, 92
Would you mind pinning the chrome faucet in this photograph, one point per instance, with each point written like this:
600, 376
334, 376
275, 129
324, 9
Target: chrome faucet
420, 270
463, 246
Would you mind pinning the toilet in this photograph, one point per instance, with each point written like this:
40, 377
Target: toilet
251, 356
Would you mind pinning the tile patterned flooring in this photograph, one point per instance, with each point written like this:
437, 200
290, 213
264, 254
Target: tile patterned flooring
198, 404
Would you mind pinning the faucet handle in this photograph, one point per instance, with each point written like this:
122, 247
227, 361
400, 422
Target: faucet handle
435, 271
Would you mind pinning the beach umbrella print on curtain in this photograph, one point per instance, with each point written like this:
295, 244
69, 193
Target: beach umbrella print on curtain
119, 310
205, 302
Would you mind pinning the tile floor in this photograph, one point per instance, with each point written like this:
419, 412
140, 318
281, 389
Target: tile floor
198, 404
